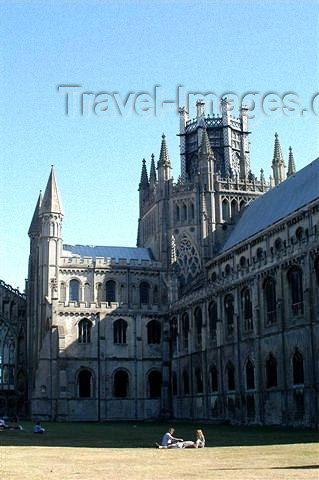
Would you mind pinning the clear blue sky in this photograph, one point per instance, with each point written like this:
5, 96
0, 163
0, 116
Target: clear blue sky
126, 46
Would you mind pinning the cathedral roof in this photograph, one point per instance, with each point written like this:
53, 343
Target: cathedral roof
117, 253
289, 196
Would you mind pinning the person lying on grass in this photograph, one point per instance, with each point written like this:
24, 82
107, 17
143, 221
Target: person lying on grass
168, 441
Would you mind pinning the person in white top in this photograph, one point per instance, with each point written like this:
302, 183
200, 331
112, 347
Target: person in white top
168, 441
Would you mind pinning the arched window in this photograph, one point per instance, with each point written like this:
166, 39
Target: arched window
85, 384
121, 384
250, 375
294, 276
84, 331
119, 331
299, 234
99, 293
233, 207
154, 332
297, 368
155, 384
74, 291
212, 318
185, 382
229, 313
198, 326
184, 213
213, 378
242, 205
225, 209
199, 380
174, 383
230, 372
144, 293
87, 293
316, 265
63, 292
246, 309
269, 288
271, 371
185, 330
110, 287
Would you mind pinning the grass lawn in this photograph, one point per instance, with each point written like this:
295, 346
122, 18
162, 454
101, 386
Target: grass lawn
125, 451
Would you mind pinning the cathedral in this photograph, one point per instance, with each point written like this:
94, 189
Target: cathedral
214, 315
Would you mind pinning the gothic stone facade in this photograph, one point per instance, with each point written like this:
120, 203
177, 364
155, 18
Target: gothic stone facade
214, 315
13, 351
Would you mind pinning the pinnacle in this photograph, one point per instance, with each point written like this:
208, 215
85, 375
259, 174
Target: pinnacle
51, 202
205, 148
291, 164
35, 225
164, 156
278, 158
152, 170
144, 177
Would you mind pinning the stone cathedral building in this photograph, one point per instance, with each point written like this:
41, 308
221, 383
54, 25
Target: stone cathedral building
214, 315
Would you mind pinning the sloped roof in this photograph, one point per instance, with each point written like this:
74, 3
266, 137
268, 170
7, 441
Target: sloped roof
128, 253
287, 197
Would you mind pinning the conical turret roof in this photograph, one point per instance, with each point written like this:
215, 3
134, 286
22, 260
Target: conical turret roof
51, 202
35, 225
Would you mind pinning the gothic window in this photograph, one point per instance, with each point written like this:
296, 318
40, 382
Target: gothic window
63, 292
87, 293
110, 287
233, 207
177, 213
294, 276
119, 331
229, 313
187, 260
278, 244
212, 319
99, 292
199, 380
192, 211
174, 383
84, 331
299, 234
85, 384
74, 291
250, 375
259, 253
297, 368
243, 262
317, 270
185, 330
269, 288
185, 382
198, 326
225, 209
246, 309
213, 378
144, 293
230, 372
155, 295
271, 371
154, 331
155, 384
184, 213
121, 384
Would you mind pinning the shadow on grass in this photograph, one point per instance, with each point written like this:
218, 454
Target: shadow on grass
296, 467
145, 434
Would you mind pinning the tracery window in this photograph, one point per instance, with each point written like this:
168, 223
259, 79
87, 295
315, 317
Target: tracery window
110, 295
187, 260
119, 331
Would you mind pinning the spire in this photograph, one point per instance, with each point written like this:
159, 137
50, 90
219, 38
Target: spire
144, 178
152, 171
291, 164
35, 225
205, 149
51, 202
278, 164
164, 160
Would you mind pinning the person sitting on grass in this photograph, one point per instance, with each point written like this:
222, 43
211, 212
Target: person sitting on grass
38, 428
3, 424
199, 442
168, 441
